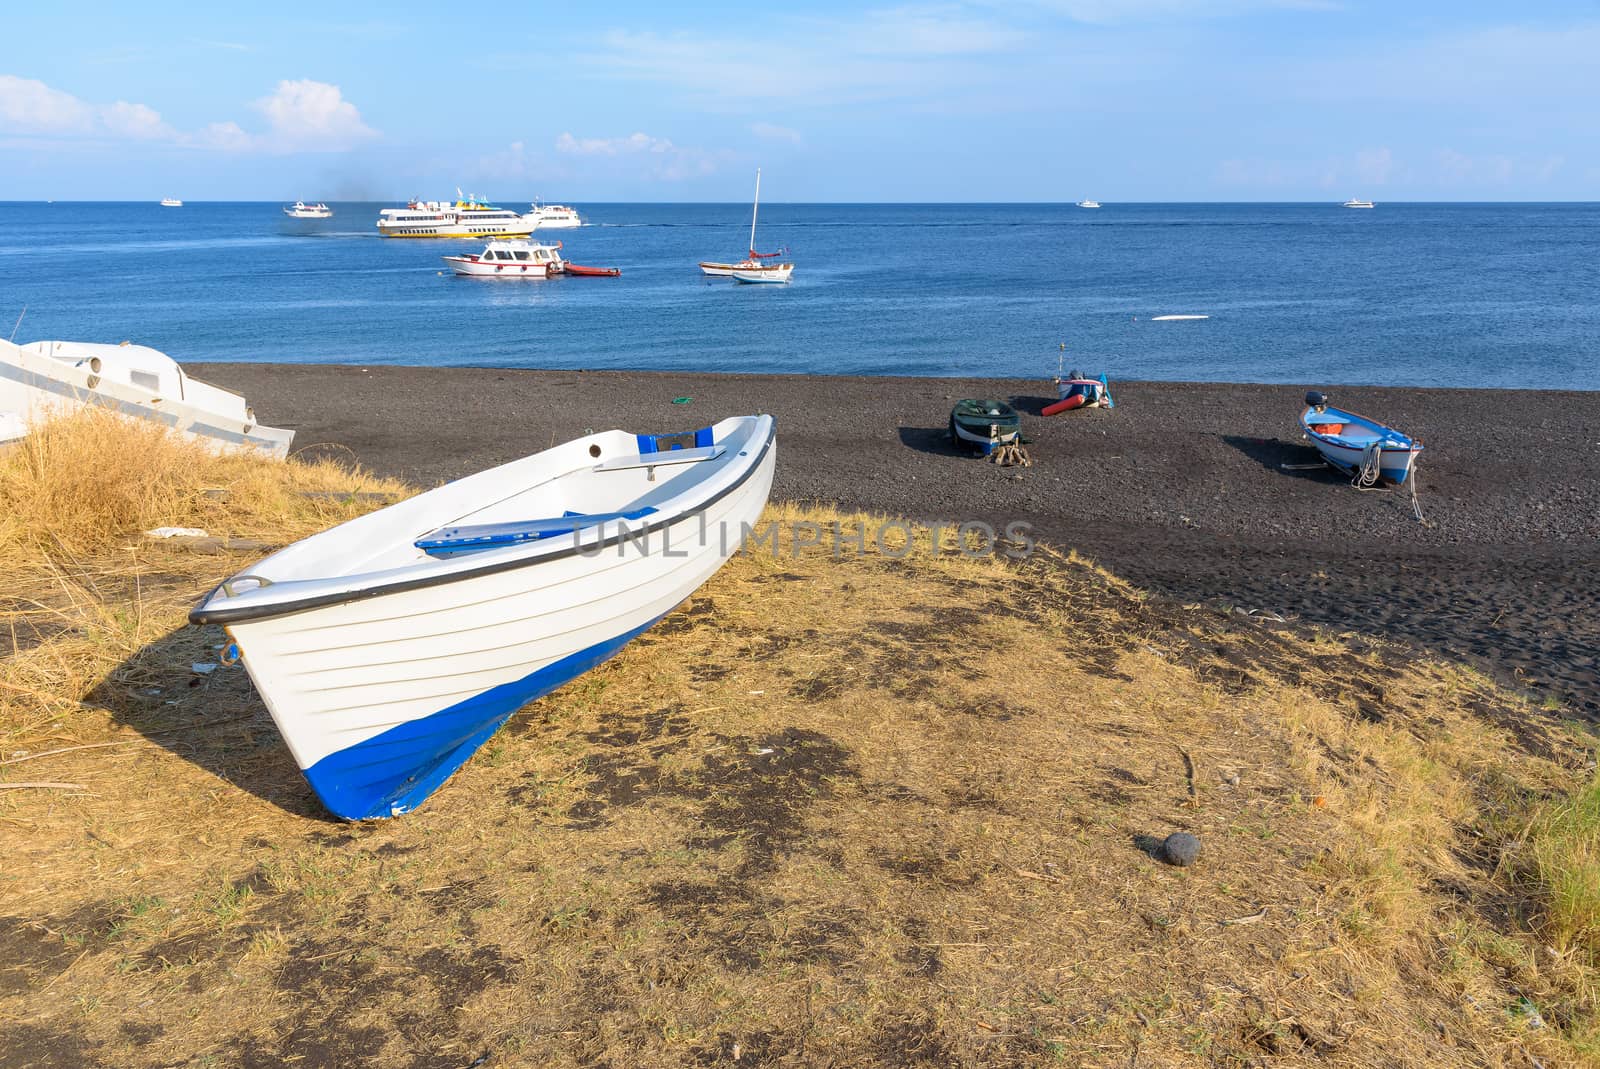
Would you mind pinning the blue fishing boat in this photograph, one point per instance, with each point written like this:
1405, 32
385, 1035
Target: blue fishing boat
1367, 449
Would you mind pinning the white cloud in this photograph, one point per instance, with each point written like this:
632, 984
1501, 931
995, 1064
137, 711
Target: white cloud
307, 114
1111, 11
28, 106
301, 116
225, 136
136, 121
655, 157
612, 146
769, 132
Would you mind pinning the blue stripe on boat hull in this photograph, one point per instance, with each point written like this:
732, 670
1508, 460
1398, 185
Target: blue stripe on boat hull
396, 771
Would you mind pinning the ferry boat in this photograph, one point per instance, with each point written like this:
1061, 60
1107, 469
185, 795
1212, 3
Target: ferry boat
1088, 204
465, 217
556, 216
1354, 203
510, 259
302, 210
171, 202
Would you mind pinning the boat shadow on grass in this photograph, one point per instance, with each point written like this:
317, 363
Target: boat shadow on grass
174, 693
1292, 460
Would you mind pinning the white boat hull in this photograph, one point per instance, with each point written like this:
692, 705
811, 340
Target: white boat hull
776, 273
388, 684
716, 270
471, 268
47, 379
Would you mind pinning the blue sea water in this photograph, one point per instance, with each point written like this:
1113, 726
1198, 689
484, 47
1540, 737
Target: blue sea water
1500, 295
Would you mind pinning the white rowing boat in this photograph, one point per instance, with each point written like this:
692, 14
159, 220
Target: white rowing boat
389, 648
45, 379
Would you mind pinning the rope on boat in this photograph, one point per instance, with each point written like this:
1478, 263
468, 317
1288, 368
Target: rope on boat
1370, 471
1009, 454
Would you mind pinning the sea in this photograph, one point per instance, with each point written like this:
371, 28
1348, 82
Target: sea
1471, 295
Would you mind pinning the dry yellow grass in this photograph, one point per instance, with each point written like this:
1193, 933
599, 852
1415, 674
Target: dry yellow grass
833, 811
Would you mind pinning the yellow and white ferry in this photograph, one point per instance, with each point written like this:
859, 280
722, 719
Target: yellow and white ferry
465, 217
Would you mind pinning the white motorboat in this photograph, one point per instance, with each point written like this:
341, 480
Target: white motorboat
556, 216
466, 217
301, 210
757, 266
171, 202
1353, 203
1088, 204
759, 272
510, 259
391, 647
51, 378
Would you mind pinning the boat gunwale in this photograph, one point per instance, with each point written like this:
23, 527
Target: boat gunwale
1411, 446
225, 615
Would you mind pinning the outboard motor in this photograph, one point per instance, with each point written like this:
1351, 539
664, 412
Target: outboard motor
1316, 400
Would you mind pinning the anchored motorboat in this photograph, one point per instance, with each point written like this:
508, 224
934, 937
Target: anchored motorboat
510, 259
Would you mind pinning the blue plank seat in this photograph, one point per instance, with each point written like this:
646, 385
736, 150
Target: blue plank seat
470, 538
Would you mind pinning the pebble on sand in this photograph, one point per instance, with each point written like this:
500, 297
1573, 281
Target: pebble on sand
1181, 848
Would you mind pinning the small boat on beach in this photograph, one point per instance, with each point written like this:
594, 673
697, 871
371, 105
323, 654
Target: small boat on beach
301, 210
171, 202
757, 267
1354, 203
389, 648
1362, 447
1077, 390
509, 259
591, 272
983, 425
45, 379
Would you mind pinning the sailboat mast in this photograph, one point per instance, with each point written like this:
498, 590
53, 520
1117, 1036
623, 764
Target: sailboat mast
755, 207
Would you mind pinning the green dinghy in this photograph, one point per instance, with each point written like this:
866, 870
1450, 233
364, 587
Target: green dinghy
983, 424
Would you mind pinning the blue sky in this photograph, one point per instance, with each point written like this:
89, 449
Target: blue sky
1046, 101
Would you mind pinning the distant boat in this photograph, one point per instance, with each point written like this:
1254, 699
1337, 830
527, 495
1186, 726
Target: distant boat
509, 259
45, 379
754, 268
466, 217
1358, 445
1358, 204
302, 210
1088, 204
390, 648
555, 216
171, 202
1169, 319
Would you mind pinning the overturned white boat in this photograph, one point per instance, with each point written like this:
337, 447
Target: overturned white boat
44, 379
389, 648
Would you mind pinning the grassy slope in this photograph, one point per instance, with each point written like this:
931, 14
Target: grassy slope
834, 811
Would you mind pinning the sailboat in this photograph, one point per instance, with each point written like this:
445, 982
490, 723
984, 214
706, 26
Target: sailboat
752, 269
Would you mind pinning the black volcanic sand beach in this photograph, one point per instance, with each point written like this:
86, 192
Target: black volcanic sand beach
1180, 488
